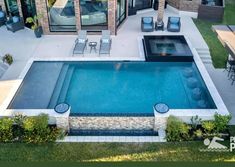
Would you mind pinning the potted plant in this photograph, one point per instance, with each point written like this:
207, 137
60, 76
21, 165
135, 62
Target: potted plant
35, 25
8, 59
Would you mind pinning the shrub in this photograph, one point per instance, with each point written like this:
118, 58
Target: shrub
195, 121
6, 134
198, 133
18, 130
221, 122
8, 59
231, 129
176, 130
208, 126
36, 130
184, 131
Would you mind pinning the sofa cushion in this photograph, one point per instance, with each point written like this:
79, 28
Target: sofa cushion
147, 20
2, 14
15, 19
9, 26
147, 26
174, 26
174, 20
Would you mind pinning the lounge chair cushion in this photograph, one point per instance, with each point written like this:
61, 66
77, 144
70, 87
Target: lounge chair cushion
147, 20
105, 48
2, 14
105, 40
174, 20
79, 48
81, 40
15, 19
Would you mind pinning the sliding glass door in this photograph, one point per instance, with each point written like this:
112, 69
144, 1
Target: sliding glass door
140, 4
121, 11
61, 15
12, 7
28, 9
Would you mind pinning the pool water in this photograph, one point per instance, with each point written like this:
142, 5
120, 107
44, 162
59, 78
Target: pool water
114, 88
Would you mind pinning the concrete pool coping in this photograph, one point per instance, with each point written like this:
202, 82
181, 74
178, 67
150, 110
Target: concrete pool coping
184, 114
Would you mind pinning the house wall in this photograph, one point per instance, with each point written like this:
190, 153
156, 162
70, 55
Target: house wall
185, 5
41, 8
191, 6
2, 3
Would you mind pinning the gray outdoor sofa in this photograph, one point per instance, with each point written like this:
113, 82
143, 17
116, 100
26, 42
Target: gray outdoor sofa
147, 24
173, 24
15, 23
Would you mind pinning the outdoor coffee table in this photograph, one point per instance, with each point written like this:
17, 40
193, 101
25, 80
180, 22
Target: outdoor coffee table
92, 46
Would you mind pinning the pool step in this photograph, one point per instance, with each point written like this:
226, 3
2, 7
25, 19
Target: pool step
66, 84
58, 87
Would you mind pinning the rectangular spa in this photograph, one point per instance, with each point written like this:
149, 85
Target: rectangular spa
169, 48
112, 88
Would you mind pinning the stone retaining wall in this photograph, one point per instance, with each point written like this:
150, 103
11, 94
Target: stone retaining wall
185, 5
108, 123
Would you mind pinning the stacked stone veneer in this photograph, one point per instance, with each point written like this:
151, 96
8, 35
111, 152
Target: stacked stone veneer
112, 6
109, 123
185, 5
62, 122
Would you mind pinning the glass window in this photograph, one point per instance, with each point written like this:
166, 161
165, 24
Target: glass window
61, 15
12, 7
94, 14
140, 4
121, 11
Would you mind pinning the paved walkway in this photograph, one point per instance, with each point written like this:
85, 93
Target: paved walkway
224, 87
23, 46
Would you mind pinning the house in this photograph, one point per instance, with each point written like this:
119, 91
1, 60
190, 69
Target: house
68, 16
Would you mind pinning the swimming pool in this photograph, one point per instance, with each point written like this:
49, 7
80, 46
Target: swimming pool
112, 88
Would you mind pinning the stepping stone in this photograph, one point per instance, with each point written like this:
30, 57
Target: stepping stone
188, 72
192, 82
202, 104
196, 93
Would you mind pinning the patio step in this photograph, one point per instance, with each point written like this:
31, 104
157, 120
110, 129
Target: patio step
58, 87
66, 84
204, 54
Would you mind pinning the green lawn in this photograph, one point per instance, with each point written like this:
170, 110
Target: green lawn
185, 151
218, 52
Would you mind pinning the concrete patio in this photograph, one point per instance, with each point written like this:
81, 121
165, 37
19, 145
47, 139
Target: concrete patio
22, 45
